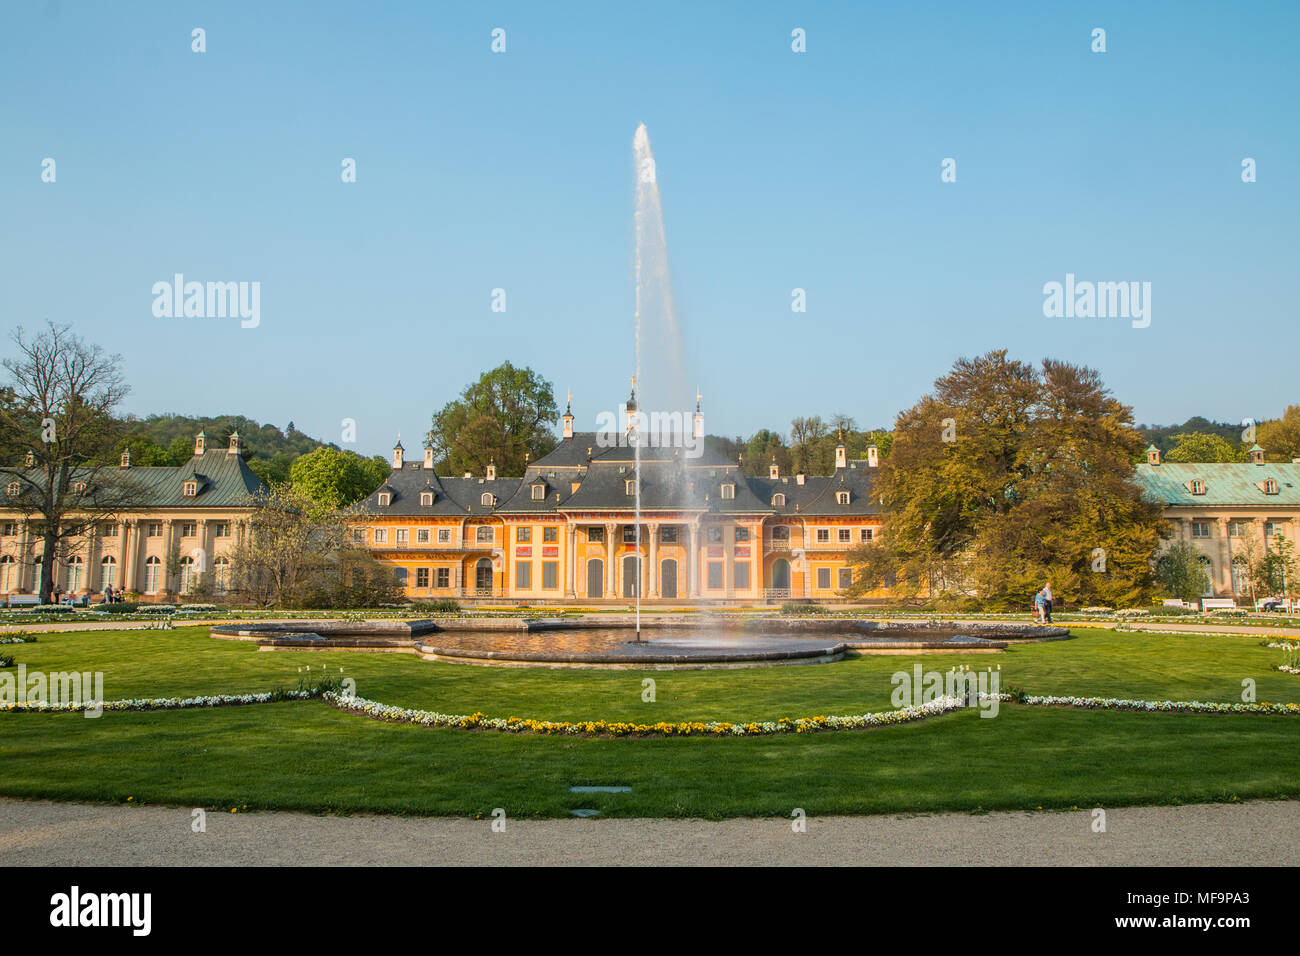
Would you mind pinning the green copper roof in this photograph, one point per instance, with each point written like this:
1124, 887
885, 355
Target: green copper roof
1227, 483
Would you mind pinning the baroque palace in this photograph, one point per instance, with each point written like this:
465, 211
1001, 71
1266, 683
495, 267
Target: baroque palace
567, 530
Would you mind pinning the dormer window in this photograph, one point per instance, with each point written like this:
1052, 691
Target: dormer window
778, 500
1196, 486
426, 498
78, 487
385, 499
1269, 486
189, 489
487, 499
539, 492
13, 488
842, 497
728, 491
630, 487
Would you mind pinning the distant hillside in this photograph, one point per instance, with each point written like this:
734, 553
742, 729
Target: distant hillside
1162, 436
169, 440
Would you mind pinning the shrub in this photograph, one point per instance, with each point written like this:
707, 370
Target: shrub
441, 606
803, 610
122, 607
6, 660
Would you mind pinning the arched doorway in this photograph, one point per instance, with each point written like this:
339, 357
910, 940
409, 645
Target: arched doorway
631, 575
483, 574
595, 578
668, 578
781, 574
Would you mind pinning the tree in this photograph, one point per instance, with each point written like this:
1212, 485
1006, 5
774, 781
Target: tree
64, 394
504, 418
1181, 572
1281, 436
806, 452
334, 479
297, 554
1201, 447
1008, 476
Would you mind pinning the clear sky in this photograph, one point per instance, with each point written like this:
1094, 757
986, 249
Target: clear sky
817, 170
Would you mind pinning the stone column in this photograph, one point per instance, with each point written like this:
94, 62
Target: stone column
126, 570
611, 556
24, 559
1225, 558
692, 562
652, 573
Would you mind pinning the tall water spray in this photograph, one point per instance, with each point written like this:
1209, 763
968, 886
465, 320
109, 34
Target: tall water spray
658, 384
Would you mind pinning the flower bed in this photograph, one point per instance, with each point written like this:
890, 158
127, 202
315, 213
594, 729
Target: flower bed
158, 703
1158, 706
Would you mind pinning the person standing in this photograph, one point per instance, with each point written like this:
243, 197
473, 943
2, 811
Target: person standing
1047, 602
1040, 605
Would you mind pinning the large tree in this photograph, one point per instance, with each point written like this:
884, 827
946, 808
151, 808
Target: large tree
1281, 436
1203, 447
505, 418
59, 419
1007, 476
334, 479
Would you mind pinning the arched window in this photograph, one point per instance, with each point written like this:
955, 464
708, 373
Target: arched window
842, 497
487, 499
426, 498
13, 488
76, 572
384, 499
778, 500
221, 575
152, 575
1207, 585
8, 579
1196, 486
107, 572
728, 491
188, 576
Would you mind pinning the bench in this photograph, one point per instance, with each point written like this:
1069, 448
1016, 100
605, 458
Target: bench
24, 600
1174, 602
1218, 604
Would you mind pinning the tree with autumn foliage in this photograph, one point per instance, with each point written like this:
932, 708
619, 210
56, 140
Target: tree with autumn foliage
1007, 476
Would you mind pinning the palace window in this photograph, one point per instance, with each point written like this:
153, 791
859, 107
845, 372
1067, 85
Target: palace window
487, 499
523, 535
189, 530
221, 575
107, 572
190, 489
75, 570
108, 530
524, 575
550, 575
539, 492
403, 536
668, 535
381, 536
221, 530
1274, 529
153, 529
742, 534
484, 535
12, 489
823, 535
845, 535
867, 534
824, 578
1200, 529
8, 579
402, 576
742, 576
596, 535
715, 575
1236, 529
9, 528
846, 578
780, 532
152, 575
629, 534
442, 578
1196, 486
444, 536
550, 535
384, 499
421, 535
426, 498
778, 500
359, 535
188, 576
728, 491
421, 577
842, 497
715, 535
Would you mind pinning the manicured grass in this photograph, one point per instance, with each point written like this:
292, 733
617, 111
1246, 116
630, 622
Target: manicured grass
306, 755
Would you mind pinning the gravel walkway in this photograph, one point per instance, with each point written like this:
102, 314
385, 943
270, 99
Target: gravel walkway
39, 833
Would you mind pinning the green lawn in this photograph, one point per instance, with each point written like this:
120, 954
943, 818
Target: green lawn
306, 755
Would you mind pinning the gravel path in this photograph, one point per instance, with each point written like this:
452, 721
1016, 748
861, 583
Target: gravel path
40, 833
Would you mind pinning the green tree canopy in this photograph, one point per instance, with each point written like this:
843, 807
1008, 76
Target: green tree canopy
334, 479
506, 418
1280, 438
1202, 447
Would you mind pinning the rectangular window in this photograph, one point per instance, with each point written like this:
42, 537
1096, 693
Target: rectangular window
866, 534
550, 535
596, 535
742, 534
442, 577
669, 535
107, 530
402, 576
189, 530
403, 535
1273, 529
824, 578
381, 535
846, 578
444, 536
629, 534
153, 529
550, 575
715, 575
1236, 529
823, 535
483, 535
742, 576
523, 535
359, 535
1200, 529
715, 535
524, 575
221, 530
421, 577
845, 535
421, 535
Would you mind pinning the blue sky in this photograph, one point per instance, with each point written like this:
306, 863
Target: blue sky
778, 170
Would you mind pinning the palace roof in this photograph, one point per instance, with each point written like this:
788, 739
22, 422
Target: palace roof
1235, 484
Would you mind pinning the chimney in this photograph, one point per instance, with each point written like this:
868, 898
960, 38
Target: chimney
428, 459
1256, 455
469, 474
773, 470
29, 460
1153, 455
697, 420
200, 444
126, 459
492, 470
235, 444
798, 479
568, 417
398, 452
873, 456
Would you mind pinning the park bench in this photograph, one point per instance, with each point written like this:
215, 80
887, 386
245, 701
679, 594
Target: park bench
1218, 604
1174, 602
24, 600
